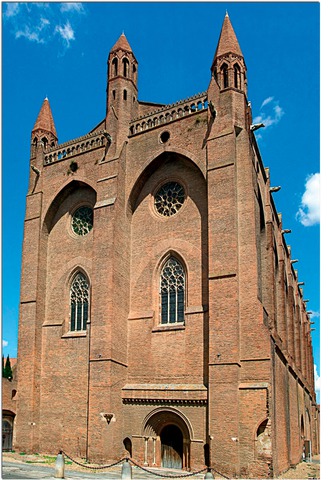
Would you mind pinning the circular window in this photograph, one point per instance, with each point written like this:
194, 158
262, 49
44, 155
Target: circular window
164, 137
169, 199
82, 220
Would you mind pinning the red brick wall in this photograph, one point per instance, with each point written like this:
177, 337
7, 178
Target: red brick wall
244, 354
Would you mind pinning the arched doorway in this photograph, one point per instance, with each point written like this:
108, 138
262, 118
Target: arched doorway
167, 434
7, 435
171, 447
128, 445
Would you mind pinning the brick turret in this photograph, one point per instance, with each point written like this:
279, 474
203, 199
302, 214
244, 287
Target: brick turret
44, 130
228, 67
121, 92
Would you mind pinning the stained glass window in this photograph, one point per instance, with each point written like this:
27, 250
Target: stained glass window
169, 199
172, 292
79, 303
82, 220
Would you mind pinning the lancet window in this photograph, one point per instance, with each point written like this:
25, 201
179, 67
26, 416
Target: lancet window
224, 75
115, 67
126, 66
237, 75
172, 292
79, 299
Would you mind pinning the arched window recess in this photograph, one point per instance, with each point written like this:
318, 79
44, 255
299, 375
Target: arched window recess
224, 75
115, 67
79, 302
126, 67
237, 76
172, 292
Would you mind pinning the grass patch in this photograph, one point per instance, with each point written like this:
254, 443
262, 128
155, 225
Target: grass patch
31, 461
49, 458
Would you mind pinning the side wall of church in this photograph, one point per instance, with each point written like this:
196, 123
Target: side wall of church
237, 375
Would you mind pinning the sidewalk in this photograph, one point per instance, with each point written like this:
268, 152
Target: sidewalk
14, 468
17, 467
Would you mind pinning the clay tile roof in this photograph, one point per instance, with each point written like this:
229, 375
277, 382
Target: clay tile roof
228, 41
45, 120
122, 44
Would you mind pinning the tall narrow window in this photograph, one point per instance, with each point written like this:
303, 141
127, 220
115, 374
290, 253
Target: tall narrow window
79, 303
172, 292
126, 67
114, 67
224, 75
236, 71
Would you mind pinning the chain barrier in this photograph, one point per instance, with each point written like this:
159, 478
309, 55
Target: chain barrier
100, 467
185, 475
162, 475
221, 474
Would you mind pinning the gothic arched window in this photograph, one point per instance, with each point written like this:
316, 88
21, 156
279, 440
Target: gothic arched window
115, 67
79, 299
172, 292
224, 75
236, 71
126, 67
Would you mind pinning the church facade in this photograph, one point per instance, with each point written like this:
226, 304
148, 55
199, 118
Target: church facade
161, 315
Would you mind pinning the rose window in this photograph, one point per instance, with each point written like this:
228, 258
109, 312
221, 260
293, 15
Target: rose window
169, 199
82, 220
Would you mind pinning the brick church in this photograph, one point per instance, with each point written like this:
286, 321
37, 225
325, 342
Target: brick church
161, 315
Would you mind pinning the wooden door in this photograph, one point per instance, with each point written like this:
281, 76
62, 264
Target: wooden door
172, 447
7, 436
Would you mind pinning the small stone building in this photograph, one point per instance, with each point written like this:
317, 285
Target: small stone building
161, 314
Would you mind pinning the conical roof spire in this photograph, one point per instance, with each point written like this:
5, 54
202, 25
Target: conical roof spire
122, 44
45, 119
228, 41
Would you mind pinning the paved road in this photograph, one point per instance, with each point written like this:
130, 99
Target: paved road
13, 471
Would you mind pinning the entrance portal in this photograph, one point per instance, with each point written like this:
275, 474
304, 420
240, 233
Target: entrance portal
167, 435
172, 447
7, 435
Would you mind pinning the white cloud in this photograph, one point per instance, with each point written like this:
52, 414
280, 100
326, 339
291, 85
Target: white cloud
11, 10
309, 211
42, 22
66, 32
266, 101
316, 380
270, 115
72, 7
36, 33
4, 343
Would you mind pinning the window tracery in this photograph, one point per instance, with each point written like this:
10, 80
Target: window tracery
169, 199
82, 220
79, 299
172, 292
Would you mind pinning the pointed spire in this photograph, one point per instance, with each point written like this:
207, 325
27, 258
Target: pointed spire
122, 44
228, 41
45, 119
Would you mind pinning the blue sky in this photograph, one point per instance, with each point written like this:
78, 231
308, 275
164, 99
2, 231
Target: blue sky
60, 50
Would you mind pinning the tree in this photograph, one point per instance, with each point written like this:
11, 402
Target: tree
7, 371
